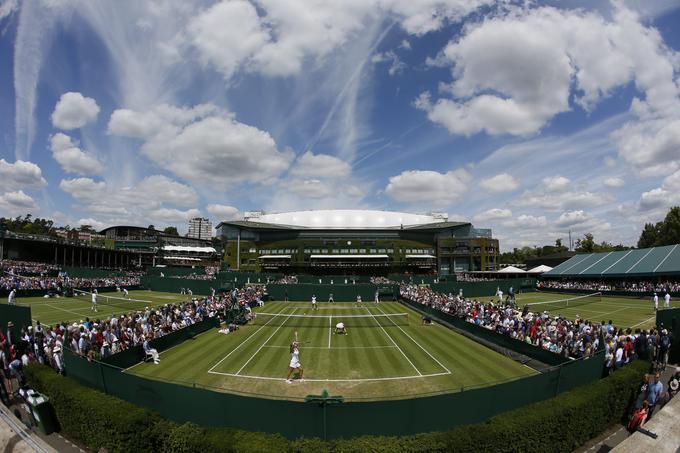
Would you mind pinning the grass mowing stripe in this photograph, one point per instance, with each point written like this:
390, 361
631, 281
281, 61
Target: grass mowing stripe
393, 342
270, 337
241, 344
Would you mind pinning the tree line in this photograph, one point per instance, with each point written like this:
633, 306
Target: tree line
665, 232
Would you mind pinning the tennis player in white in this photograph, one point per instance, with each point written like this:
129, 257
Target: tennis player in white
125, 293
358, 304
314, 307
295, 360
94, 300
655, 299
11, 299
667, 301
340, 328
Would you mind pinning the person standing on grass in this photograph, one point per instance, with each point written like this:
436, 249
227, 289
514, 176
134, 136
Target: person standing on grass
314, 306
94, 300
11, 299
295, 360
655, 299
125, 293
377, 296
330, 298
667, 300
359, 304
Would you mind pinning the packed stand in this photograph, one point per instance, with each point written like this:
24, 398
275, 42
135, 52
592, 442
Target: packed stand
608, 285
381, 281
559, 335
28, 268
61, 283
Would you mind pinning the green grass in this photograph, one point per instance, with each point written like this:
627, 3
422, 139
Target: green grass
623, 311
371, 362
50, 311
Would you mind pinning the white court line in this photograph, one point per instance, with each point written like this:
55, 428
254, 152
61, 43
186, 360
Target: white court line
246, 376
643, 322
330, 331
394, 343
163, 352
267, 340
419, 345
335, 348
242, 343
69, 311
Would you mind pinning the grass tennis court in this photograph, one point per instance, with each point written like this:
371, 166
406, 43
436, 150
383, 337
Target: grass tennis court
382, 357
378, 359
54, 310
623, 311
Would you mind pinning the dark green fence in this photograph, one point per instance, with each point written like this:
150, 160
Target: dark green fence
485, 288
304, 292
502, 341
175, 285
190, 403
135, 355
245, 277
89, 272
670, 319
170, 271
19, 316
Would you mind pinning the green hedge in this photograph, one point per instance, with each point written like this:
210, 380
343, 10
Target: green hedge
559, 424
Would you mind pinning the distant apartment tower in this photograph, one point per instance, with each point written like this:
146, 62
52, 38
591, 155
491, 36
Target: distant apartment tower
200, 228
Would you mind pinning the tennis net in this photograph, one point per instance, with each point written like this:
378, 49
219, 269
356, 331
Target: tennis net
561, 304
325, 321
114, 301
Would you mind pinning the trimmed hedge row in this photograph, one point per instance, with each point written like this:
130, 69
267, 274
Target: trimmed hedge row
559, 424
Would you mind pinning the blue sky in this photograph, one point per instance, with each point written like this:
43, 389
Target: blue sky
530, 118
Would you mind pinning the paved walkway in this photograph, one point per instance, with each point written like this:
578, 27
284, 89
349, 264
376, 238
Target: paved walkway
665, 424
15, 437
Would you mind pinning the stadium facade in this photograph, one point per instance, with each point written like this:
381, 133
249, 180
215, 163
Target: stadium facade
356, 241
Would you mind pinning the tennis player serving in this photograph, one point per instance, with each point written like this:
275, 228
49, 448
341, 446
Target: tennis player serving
295, 360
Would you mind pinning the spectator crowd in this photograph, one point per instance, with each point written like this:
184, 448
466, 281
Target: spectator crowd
643, 286
570, 338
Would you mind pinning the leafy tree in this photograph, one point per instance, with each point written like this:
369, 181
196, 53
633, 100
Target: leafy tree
649, 235
666, 232
171, 230
587, 244
86, 229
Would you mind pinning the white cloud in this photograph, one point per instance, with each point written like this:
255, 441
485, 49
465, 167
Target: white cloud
526, 222
94, 223
20, 175
169, 215
513, 73
571, 218
428, 187
150, 197
74, 111
222, 212
165, 190
492, 214
501, 183
17, 203
556, 183
662, 198
562, 201
226, 34
203, 145
8, 7
311, 165
309, 188
396, 65
71, 158
614, 182
85, 189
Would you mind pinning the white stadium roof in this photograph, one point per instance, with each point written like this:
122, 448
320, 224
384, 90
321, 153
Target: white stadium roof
346, 218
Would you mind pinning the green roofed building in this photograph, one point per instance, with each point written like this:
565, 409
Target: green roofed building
636, 263
356, 241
